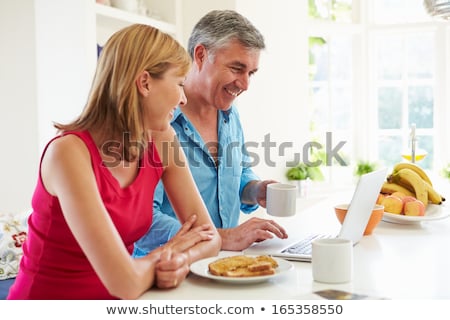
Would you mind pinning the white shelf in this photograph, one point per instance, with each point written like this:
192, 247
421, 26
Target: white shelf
110, 20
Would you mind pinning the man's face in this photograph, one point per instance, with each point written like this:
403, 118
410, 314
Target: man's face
227, 74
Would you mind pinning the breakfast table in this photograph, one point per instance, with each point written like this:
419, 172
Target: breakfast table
401, 260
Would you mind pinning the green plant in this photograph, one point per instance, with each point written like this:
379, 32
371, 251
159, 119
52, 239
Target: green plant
303, 172
445, 172
363, 167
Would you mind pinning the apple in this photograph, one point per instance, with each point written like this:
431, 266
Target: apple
380, 198
414, 208
407, 199
393, 204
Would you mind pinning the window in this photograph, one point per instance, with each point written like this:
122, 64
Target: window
334, 10
404, 69
331, 75
331, 89
374, 74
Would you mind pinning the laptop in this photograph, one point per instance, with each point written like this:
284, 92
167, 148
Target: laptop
363, 200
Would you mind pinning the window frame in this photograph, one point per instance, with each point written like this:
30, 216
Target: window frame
365, 134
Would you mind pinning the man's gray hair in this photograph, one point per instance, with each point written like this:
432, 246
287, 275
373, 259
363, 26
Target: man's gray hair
218, 27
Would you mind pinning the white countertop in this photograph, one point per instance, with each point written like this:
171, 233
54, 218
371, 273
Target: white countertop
398, 261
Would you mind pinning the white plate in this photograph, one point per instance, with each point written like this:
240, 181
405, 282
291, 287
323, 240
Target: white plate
200, 268
433, 212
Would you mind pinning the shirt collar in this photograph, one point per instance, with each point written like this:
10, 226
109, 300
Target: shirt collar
179, 117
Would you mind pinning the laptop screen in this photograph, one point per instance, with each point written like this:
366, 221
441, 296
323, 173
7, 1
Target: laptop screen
361, 205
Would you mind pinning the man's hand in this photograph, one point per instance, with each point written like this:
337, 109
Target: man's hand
262, 192
255, 192
252, 230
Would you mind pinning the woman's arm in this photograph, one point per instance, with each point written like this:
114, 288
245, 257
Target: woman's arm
67, 174
183, 193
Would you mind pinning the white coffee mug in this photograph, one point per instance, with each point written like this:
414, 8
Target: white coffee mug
281, 199
332, 260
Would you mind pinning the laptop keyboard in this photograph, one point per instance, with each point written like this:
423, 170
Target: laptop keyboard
303, 247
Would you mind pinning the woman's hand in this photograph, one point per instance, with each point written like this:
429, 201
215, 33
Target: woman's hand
171, 269
188, 236
174, 261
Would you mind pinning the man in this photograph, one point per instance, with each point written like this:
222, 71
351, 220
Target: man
225, 49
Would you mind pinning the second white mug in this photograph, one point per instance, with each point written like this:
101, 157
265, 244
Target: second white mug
332, 260
281, 199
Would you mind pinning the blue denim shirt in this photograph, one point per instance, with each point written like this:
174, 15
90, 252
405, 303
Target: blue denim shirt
220, 186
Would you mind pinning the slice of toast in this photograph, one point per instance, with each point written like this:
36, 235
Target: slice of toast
245, 272
269, 259
259, 266
243, 266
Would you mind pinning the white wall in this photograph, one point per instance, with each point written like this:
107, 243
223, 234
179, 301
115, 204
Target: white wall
275, 102
193, 10
47, 57
45, 61
66, 58
18, 93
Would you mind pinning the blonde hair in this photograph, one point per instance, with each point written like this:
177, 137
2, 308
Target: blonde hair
113, 103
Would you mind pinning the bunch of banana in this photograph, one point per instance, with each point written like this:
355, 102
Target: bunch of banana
413, 178
414, 167
390, 187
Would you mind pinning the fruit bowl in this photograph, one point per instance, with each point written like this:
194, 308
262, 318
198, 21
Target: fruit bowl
374, 220
433, 212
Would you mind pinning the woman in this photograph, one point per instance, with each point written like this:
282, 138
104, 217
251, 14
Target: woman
94, 194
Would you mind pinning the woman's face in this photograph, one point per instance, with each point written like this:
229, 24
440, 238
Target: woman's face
165, 94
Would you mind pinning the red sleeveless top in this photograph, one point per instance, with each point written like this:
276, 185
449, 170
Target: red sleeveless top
53, 265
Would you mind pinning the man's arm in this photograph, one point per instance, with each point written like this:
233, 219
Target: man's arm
163, 228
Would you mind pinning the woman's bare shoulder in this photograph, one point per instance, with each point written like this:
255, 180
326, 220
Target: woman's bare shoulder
67, 147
